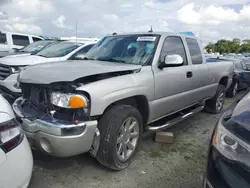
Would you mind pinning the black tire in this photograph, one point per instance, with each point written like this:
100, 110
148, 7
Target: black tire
109, 127
211, 104
231, 92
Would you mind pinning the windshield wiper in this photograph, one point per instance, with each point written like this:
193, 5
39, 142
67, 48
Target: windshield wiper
112, 60
40, 55
85, 58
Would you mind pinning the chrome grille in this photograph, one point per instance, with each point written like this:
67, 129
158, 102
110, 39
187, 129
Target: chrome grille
4, 71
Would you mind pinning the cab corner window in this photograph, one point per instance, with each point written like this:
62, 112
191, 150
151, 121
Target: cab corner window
20, 40
173, 46
195, 51
3, 39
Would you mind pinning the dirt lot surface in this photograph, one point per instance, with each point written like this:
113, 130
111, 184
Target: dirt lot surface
156, 165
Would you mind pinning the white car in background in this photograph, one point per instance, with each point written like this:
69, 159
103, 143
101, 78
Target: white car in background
10, 66
10, 40
16, 161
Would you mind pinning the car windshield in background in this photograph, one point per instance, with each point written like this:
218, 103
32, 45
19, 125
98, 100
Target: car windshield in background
36, 46
133, 49
59, 50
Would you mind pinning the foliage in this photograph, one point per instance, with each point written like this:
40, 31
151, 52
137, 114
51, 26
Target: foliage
229, 46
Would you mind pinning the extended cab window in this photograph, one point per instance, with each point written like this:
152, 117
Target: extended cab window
3, 38
20, 40
238, 66
195, 51
244, 66
173, 45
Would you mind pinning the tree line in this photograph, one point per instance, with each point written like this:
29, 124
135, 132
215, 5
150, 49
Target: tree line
229, 46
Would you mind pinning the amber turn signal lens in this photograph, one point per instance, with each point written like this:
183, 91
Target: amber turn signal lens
77, 102
215, 136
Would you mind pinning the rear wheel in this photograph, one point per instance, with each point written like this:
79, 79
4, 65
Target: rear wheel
120, 129
215, 104
232, 91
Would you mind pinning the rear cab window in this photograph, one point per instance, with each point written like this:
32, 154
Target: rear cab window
195, 51
20, 40
3, 38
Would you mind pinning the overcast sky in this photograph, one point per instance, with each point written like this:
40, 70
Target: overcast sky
209, 20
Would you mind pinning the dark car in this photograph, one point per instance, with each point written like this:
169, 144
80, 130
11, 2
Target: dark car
31, 48
241, 75
228, 163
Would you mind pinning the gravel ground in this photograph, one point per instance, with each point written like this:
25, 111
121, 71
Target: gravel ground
156, 165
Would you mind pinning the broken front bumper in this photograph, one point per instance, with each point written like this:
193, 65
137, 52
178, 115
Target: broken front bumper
56, 137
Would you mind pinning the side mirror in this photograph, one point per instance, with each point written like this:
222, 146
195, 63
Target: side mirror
79, 56
172, 61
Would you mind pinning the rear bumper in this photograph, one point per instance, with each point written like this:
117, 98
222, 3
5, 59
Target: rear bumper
16, 170
56, 137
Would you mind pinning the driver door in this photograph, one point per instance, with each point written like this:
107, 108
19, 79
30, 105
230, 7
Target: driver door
172, 84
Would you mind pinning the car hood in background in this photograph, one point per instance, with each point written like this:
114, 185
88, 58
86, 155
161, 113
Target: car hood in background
22, 60
3, 54
67, 71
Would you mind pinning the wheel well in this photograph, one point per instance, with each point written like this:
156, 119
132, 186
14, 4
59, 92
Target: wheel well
224, 81
140, 102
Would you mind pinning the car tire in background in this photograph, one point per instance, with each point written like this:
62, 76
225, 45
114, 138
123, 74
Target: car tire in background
215, 104
120, 129
233, 89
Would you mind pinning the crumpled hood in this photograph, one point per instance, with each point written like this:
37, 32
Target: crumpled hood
66, 71
22, 60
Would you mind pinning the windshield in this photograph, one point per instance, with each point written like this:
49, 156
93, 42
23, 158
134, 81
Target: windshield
59, 50
36, 46
132, 49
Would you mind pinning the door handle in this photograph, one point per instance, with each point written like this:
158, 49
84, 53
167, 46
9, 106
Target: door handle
189, 74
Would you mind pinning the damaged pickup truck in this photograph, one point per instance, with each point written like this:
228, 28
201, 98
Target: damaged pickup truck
124, 85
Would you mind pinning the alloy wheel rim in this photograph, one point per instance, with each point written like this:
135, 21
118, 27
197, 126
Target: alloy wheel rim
219, 101
127, 138
235, 88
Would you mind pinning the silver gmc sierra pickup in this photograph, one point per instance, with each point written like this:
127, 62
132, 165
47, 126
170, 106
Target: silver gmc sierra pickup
124, 85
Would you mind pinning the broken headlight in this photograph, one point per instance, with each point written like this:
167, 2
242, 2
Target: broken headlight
16, 70
72, 101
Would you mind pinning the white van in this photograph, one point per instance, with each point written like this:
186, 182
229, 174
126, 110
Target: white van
10, 40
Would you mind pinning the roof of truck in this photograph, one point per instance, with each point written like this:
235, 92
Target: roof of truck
155, 33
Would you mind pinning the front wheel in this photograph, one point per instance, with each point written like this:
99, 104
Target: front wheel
215, 104
120, 128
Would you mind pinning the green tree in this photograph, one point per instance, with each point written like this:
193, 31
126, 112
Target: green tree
210, 48
245, 47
